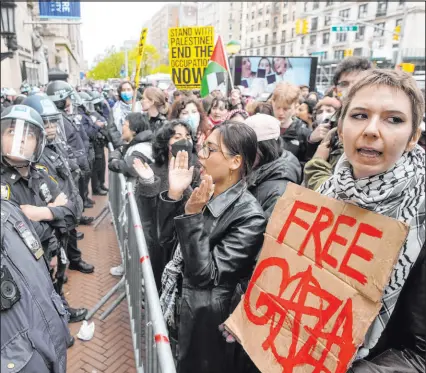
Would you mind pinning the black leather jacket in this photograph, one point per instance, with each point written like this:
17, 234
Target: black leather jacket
219, 248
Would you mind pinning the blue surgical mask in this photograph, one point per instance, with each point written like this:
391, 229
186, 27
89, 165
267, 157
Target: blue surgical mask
126, 96
194, 121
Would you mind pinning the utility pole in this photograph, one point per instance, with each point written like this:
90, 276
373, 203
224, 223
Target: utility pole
401, 35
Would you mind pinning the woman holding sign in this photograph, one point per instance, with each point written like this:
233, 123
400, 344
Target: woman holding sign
383, 170
220, 232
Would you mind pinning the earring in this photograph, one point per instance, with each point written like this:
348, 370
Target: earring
230, 176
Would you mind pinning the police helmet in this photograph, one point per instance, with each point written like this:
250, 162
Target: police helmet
22, 134
96, 97
87, 100
25, 88
52, 118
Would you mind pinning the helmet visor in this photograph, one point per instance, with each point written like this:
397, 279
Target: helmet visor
21, 140
54, 127
89, 106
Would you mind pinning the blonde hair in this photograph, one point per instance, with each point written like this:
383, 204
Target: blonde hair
159, 98
398, 80
285, 94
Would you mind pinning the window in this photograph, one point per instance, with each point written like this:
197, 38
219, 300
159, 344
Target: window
302, 41
258, 40
265, 51
382, 7
362, 11
252, 15
326, 38
275, 22
291, 48
341, 37
268, 8
251, 42
360, 34
344, 13
339, 55
315, 5
381, 43
267, 23
282, 49
247, 16
325, 56
285, 18
274, 50
258, 51
274, 37
259, 26
292, 32
266, 39
329, 3
260, 12
314, 24
230, 27
305, 6
285, 3
401, 2
327, 20
398, 22
358, 52
293, 16
379, 32
283, 35
252, 28
313, 40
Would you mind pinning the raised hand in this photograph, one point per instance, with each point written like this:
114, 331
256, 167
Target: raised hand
144, 171
320, 132
200, 196
180, 176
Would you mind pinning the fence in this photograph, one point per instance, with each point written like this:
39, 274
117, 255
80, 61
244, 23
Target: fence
149, 333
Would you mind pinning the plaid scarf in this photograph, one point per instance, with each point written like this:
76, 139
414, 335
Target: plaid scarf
169, 286
398, 193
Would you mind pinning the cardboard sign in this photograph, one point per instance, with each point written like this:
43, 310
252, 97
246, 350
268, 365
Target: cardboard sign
318, 284
190, 49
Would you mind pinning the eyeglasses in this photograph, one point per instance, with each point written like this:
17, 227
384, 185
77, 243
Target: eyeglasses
205, 152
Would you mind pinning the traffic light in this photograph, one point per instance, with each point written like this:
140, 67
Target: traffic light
348, 52
305, 28
396, 32
298, 26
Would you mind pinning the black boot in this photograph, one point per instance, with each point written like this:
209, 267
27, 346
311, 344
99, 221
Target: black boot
77, 314
86, 220
103, 187
99, 192
81, 266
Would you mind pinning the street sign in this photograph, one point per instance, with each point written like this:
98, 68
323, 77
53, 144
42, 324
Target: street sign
59, 9
317, 53
341, 28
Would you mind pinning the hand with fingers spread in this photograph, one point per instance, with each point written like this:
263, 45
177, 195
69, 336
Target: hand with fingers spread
144, 171
319, 133
180, 176
323, 150
200, 196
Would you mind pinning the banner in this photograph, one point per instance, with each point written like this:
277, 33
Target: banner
318, 284
59, 9
190, 49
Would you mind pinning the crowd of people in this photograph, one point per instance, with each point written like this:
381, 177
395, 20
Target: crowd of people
207, 174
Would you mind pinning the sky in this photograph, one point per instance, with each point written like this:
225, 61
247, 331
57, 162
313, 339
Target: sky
114, 24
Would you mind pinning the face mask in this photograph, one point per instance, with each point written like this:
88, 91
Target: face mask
182, 145
321, 118
126, 96
194, 121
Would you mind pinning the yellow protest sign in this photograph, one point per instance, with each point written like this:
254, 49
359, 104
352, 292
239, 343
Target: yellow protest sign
190, 49
140, 54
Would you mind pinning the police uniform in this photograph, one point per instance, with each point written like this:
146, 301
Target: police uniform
34, 329
99, 165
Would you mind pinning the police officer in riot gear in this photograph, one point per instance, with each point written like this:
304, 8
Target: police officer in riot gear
34, 328
23, 140
67, 100
53, 160
99, 166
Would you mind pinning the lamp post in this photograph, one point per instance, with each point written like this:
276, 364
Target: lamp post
8, 30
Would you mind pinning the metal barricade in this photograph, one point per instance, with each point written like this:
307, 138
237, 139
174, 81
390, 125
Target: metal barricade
149, 332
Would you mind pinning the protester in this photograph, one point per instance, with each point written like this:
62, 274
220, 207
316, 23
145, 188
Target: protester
190, 109
236, 99
219, 236
305, 112
304, 91
218, 111
383, 170
347, 72
313, 96
153, 179
155, 105
123, 106
138, 137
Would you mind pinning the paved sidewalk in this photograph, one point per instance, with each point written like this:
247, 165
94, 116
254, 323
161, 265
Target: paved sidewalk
111, 349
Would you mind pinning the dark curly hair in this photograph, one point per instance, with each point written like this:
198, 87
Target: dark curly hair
160, 144
349, 65
216, 102
120, 88
179, 105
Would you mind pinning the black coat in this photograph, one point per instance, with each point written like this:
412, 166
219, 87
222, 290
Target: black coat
157, 122
296, 141
219, 248
269, 181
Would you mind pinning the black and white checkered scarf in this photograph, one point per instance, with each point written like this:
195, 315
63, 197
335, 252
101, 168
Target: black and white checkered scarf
400, 194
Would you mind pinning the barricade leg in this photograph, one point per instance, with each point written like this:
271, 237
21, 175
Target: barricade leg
101, 216
105, 299
113, 306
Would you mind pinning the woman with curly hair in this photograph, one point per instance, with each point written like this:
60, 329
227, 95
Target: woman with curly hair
152, 180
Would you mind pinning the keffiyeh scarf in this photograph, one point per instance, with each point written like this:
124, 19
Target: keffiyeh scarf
169, 284
400, 194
